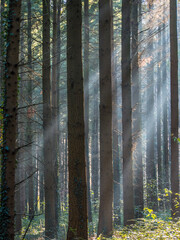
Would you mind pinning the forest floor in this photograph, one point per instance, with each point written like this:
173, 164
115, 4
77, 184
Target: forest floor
150, 227
155, 229
144, 229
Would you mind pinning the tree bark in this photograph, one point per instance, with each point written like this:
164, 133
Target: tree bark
86, 101
55, 112
77, 227
159, 105
116, 156
127, 115
10, 122
137, 141
94, 146
2, 31
166, 150
106, 163
29, 117
150, 124
58, 89
175, 210
49, 182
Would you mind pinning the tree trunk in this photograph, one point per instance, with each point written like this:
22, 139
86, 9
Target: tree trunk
166, 173
1, 45
116, 156
58, 111
20, 192
23, 165
65, 172
29, 117
49, 183
150, 125
159, 105
77, 227
86, 101
127, 115
10, 122
94, 146
137, 148
55, 112
175, 209
106, 163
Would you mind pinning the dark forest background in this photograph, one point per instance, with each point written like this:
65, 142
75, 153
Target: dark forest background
89, 119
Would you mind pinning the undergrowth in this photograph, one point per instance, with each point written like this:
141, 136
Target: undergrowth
152, 226
150, 229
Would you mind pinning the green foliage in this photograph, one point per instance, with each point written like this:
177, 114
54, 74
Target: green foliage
150, 229
37, 227
101, 237
176, 139
92, 227
63, 223
152, 226
149, 214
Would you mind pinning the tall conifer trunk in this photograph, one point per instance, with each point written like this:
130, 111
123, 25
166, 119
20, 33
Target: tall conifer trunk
150, 122
116, 162
106, 163
166, 171
159, 105
29, 116
94, 146
77, 228
127, 115
55, 112
58, 108
22, 165
1, 44
136, 100
49, 181
175, 209
86, 101
10, 122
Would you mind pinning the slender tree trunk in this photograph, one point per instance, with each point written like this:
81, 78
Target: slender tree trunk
42, 192
65, 171
10, 122
1, 44
23, 167
58, 83
38, 177
159, 105
116, 162
77, 227
29, 118
55, 89
127, 115
106, 163
49, 183
175, 209
62, 161
20, 192
166, 174
94, 146
137, 148
150, 125
86, 101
